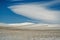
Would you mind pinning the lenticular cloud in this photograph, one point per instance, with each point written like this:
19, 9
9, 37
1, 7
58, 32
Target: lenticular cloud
37, 11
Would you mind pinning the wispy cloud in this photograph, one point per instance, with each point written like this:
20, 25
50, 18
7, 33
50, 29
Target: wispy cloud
21, 24
36, 11
15, 24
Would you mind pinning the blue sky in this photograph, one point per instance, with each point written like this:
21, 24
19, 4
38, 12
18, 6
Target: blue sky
8, 16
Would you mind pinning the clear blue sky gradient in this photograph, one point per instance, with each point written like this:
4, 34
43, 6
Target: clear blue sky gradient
7, 16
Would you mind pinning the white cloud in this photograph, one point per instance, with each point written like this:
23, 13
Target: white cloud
21, 24
15, 24
36, 11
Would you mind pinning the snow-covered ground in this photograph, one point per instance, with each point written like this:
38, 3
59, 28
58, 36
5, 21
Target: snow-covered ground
29, 31
29, 35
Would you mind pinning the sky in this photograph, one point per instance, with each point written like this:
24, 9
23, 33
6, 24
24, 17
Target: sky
37, 11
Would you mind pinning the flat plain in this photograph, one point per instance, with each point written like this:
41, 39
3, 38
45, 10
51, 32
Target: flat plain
7, 34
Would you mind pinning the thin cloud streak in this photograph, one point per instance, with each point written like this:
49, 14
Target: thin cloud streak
16, 24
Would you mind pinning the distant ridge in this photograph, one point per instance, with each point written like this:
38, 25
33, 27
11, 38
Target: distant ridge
30, 26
